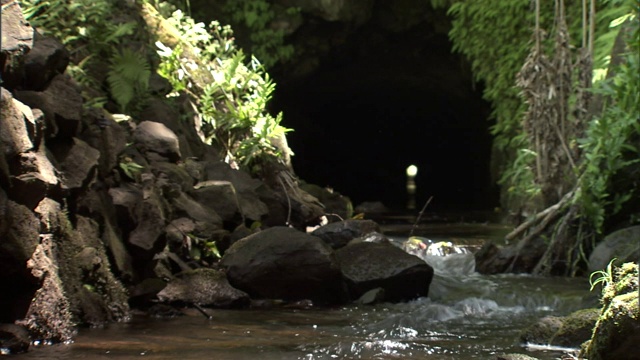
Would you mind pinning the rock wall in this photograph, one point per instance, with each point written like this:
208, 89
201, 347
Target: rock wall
93, 210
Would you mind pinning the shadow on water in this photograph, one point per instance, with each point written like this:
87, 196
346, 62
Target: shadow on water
467, 316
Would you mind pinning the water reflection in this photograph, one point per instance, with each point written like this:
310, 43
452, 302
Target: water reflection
467, 316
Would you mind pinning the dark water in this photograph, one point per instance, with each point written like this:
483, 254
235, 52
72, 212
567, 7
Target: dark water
467, 316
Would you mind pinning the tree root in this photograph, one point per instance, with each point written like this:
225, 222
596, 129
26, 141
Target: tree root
537, 225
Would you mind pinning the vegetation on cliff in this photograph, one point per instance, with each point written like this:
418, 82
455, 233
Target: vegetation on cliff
229, 94
568, 135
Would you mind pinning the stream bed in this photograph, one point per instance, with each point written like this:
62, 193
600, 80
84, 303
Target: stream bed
466, 316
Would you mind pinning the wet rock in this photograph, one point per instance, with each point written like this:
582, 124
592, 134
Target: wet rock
154, 137
372, 237
204, 287
14, 338
47, 58
283, 263
515, 357
367, 266
17, 40
371, 297
61, 104
542, 331
339, 234
621, 244
576, 328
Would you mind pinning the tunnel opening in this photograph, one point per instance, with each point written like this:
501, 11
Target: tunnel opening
382, 100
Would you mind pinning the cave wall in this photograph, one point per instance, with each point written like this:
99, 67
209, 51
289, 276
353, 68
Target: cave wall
374, 87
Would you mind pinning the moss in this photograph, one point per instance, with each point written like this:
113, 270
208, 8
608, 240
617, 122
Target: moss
617, 332
576, 328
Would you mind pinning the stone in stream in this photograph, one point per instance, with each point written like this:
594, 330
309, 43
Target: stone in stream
368, 265
204, 287
284, 263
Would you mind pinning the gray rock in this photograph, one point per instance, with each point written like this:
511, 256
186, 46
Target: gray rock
205, 287
542, 331
228, 201
17, 40
338, 234
157, 138
47, 58
367, 266
623, 244
61, 104
76, 163
36, 176
14, 135
283, 263
185, 205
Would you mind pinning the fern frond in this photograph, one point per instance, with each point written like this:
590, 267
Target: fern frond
128, 77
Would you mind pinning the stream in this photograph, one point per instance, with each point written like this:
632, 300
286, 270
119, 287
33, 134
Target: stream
466, 316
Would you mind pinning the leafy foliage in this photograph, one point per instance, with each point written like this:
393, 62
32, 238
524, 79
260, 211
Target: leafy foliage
231, 96
94, 30
609, 146
128, 77
494, 36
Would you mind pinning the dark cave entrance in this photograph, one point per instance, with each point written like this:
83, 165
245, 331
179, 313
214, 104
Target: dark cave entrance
381, 101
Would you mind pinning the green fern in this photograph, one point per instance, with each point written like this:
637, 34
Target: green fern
128, 77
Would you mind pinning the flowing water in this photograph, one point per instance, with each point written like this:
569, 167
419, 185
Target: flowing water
466, 316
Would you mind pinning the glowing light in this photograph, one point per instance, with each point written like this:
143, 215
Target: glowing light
412, 170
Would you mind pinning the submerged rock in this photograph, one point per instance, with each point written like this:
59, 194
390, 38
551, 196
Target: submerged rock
205, 287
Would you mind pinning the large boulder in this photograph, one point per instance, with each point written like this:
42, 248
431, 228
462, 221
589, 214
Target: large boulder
204, 287
338, 234
367, 266
284, 263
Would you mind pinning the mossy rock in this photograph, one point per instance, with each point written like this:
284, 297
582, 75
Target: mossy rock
617, 332
576, 328
542, 331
